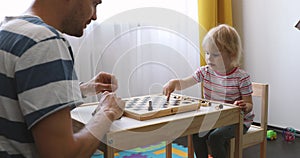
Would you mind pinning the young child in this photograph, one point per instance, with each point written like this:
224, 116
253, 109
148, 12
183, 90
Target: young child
223, 81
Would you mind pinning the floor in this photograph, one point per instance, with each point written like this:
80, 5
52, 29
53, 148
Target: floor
278, 148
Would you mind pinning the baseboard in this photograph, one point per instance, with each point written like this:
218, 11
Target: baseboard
277, 129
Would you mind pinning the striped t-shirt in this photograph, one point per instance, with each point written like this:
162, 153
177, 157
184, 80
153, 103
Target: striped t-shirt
225, 87
37, 78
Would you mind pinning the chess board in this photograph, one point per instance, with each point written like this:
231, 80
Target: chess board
154, 106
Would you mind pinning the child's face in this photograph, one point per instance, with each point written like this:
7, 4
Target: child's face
218, 61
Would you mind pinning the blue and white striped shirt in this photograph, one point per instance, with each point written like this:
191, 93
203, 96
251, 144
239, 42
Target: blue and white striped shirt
37, 78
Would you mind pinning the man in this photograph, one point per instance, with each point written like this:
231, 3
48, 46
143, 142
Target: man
39, 86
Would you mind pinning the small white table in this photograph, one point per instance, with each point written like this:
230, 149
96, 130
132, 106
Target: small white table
127, 133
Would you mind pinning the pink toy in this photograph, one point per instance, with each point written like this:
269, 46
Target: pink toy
289, 134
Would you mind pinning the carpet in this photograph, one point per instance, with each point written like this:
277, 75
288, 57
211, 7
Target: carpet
151, 151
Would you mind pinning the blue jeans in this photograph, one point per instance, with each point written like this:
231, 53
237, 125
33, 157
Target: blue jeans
217, 139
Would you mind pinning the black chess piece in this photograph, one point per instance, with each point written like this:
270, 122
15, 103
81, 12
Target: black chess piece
150, 108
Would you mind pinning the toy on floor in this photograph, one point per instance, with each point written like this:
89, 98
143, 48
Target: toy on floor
271, 135
289, 134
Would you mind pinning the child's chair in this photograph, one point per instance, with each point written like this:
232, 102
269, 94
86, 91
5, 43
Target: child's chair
256, 134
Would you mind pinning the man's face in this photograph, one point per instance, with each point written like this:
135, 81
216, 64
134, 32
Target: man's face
83, 12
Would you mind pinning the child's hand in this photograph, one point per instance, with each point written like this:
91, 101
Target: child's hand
242, 105
169, 87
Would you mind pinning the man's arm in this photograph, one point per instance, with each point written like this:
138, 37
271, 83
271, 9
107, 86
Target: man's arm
54, 137
54, 134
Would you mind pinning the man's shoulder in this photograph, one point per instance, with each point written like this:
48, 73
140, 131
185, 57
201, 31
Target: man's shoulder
30, 27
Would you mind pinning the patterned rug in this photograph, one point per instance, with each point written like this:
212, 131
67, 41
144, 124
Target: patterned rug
152, 151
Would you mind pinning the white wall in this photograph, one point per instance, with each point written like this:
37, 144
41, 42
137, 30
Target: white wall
272, 53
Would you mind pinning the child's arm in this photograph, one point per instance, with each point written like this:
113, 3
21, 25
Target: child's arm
178, 84
245, 104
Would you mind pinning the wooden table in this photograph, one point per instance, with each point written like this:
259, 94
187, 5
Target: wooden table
128, 133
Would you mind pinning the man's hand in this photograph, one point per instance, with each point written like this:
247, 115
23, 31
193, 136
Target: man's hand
100, 83
110, 105
109, 109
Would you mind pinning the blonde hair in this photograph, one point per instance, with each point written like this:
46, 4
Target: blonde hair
225, 39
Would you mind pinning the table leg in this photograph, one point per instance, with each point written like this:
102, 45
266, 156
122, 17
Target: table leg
239, 138
190, 146
109, 152
169, 150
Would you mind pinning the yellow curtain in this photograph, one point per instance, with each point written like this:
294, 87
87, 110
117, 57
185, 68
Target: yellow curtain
211, 13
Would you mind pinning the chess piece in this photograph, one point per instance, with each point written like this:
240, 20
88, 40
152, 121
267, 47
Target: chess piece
150, 108
205, 103
218, 107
